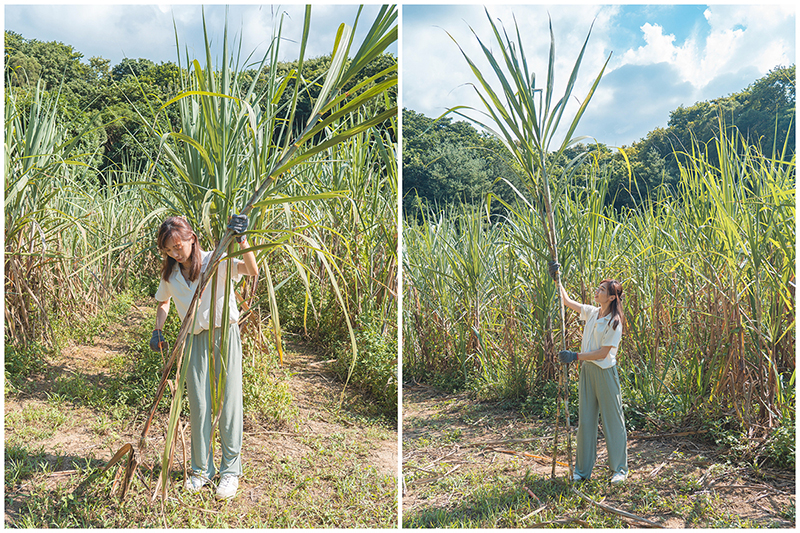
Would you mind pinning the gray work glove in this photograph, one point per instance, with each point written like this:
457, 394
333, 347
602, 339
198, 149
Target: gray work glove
567, 357
238, 223
553, 267
158, 342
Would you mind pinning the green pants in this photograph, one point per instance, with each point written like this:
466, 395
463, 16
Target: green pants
599, 394
198, 388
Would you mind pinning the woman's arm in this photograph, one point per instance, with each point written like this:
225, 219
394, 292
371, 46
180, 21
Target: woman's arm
249, 266
572, 304
161, 314
595, 355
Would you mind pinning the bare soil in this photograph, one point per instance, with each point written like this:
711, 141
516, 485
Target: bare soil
449, 435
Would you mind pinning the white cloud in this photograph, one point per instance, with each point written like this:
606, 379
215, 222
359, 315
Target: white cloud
114, 31
736, 38
746, 29
659, 47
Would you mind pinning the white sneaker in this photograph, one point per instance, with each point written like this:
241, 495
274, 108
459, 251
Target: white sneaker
576, 478
618, 478
227, 487
194, 483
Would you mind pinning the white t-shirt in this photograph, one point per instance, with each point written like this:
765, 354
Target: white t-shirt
598, 333
182, 292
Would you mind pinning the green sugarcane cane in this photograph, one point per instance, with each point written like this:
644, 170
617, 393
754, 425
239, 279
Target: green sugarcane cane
526, 129
564, 369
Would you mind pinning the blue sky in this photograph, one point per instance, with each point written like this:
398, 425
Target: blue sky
115, 31
662, 56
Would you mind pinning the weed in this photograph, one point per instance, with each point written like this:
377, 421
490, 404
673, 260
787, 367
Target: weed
543, 401
780, 447
21, 463
265, 391
789, 512
21, 363
34, 422
56, 400
101, 426
452, 435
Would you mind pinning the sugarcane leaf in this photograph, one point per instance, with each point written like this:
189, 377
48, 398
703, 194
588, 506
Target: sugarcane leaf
307, 198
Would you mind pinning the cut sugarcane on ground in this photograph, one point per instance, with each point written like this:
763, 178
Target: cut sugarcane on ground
310, 465
472, 464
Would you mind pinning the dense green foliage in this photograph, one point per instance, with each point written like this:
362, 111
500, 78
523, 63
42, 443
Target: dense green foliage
446, 162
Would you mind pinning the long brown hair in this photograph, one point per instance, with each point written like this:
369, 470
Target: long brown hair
178, 227
614, 288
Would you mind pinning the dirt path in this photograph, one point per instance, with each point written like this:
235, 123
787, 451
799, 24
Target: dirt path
316, 392
320, 446
472, 464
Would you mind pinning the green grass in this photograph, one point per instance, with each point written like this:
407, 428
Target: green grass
35, 422
22, 463
342, 497
328, 487
266, 395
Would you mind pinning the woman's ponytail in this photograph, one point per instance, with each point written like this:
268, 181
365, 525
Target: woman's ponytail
617, 314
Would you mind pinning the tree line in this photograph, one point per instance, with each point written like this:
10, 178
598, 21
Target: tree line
449, 162
105, 100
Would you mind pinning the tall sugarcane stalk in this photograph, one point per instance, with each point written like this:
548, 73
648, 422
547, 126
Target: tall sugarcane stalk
563, 375
527, 129
210, 271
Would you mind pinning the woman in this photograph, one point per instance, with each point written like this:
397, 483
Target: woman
180, 273
599, 390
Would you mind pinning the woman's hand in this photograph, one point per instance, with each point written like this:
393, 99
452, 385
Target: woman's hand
553, 267
238, 224
567, 357
158, 343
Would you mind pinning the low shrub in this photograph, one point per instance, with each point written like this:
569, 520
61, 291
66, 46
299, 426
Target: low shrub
21, 363
780, 446
544, 398
375, 370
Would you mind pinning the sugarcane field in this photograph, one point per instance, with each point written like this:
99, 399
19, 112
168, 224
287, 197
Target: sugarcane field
259, 195
422, 266
594, 336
